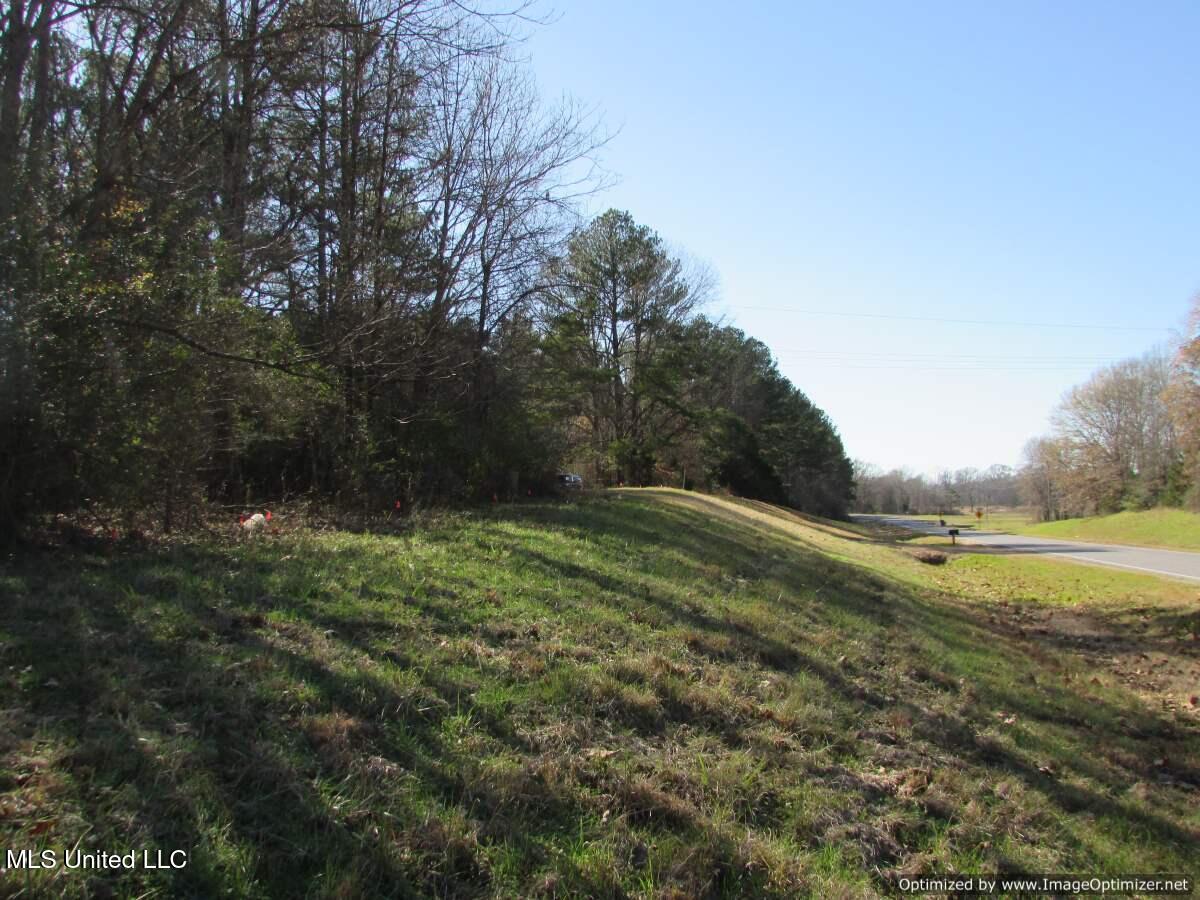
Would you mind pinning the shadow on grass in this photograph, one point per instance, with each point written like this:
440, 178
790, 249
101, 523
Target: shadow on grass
189, 743
267, 736
953, 628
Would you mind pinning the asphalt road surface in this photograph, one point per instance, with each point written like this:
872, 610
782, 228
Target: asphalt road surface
1172, 563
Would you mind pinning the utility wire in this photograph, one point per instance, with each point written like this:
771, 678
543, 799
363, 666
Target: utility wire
941, 362
898, 356
992, 322
930, 368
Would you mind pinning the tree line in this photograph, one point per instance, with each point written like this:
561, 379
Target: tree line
1125, 439
900, 491
256, 248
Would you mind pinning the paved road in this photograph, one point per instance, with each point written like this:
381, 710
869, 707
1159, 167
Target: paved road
1173, 563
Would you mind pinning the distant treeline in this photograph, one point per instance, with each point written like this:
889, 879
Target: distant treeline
899, 491
1127, 438
260, 248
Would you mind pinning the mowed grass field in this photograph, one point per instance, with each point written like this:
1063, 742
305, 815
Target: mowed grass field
651, 694
1176, 529
1171, 528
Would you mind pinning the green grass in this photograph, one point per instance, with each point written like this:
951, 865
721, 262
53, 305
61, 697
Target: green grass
1170, 528
651, 694
1046, 582
1173, 528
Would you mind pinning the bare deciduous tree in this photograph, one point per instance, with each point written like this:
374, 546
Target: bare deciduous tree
1121, 440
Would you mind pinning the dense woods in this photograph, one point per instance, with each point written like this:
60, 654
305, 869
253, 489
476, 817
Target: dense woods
252, 249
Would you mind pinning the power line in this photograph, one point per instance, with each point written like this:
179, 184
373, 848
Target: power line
991, 322
916, 367
941, 362
984, 364
900, 356
957, 369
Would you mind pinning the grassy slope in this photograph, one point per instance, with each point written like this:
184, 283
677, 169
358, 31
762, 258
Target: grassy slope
1175, 528
654, 695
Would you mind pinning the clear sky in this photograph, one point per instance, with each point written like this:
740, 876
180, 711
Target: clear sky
1031, 163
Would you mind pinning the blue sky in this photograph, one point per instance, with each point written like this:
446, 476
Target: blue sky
1016, 163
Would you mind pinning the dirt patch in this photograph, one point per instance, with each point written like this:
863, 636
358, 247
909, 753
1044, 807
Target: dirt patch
1147, 650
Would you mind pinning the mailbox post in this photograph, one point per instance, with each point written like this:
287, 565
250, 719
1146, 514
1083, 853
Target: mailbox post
953, 532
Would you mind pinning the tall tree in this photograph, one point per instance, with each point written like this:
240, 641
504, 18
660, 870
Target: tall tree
615, 297
1120, 434
1183, 402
